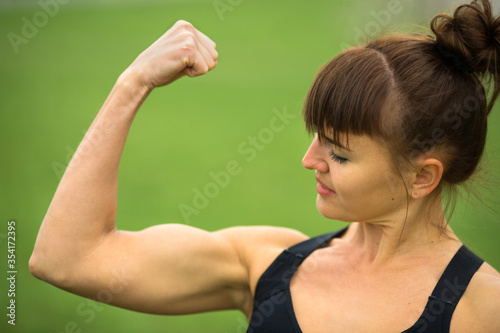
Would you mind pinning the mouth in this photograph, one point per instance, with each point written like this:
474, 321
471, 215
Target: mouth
324, 190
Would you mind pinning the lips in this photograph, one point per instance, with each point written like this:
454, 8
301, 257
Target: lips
322, 189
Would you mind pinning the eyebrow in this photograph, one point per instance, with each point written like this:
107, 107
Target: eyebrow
338, 144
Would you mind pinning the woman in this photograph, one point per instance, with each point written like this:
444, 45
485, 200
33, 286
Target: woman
398, 120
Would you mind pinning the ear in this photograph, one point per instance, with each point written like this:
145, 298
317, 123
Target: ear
426, 178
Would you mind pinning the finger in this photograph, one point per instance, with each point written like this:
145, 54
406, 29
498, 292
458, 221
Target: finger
201, 41
207, 43
206, 54
196, 65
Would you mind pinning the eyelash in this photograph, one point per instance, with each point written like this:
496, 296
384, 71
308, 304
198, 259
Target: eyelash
338, 159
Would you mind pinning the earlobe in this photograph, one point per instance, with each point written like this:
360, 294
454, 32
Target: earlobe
426, 178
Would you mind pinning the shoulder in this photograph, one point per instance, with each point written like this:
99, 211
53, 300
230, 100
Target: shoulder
252, 242
479, 307
258, 247
276, 236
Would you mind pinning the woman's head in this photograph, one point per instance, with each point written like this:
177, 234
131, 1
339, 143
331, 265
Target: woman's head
415, 94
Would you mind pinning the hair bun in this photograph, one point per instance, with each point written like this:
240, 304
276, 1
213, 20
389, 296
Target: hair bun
473, 34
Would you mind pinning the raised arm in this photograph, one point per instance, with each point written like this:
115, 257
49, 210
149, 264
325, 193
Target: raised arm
169, 269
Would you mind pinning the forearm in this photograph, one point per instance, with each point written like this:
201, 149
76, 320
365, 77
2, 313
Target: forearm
84, 206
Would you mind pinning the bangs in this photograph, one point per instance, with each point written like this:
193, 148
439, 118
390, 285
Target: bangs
349, 95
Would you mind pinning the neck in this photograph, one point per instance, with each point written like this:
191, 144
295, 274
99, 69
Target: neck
420, 233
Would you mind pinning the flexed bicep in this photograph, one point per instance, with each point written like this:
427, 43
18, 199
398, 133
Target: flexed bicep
165, 269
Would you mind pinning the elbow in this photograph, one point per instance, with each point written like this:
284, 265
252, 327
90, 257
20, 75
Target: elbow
34, 266
47, 271
36, 269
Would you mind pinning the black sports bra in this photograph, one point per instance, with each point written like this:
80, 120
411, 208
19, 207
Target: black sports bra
273, 310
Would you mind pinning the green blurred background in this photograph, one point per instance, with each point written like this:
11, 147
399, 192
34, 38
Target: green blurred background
54, 82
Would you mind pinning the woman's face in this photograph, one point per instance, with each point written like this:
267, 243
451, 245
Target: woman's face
356, 184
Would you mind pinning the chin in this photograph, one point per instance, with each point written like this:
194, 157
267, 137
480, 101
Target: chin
333, 213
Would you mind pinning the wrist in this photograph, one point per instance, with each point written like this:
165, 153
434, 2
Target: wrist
132, 81
130, 85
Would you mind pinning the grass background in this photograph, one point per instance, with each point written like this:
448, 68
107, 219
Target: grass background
269, 53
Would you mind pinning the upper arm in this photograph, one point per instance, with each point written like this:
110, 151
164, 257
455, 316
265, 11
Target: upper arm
259, 246
166, 269
175, 269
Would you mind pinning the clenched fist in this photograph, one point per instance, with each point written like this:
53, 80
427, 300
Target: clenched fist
182, 50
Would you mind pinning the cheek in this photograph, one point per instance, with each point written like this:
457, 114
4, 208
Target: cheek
383, 195
349, 182
376, 191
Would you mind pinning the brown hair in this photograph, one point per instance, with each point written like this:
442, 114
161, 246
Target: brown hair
417, 93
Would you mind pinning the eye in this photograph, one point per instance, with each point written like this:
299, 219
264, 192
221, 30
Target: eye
338, 159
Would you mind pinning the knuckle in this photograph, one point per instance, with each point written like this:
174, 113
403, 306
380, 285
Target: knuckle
184, 25
188, 37
181, 22
189, 47
188, 53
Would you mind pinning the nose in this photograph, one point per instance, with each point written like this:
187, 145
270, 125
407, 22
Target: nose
313, 159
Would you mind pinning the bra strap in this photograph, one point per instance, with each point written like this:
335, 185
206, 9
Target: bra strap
304, 249
450, 288
457, 275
